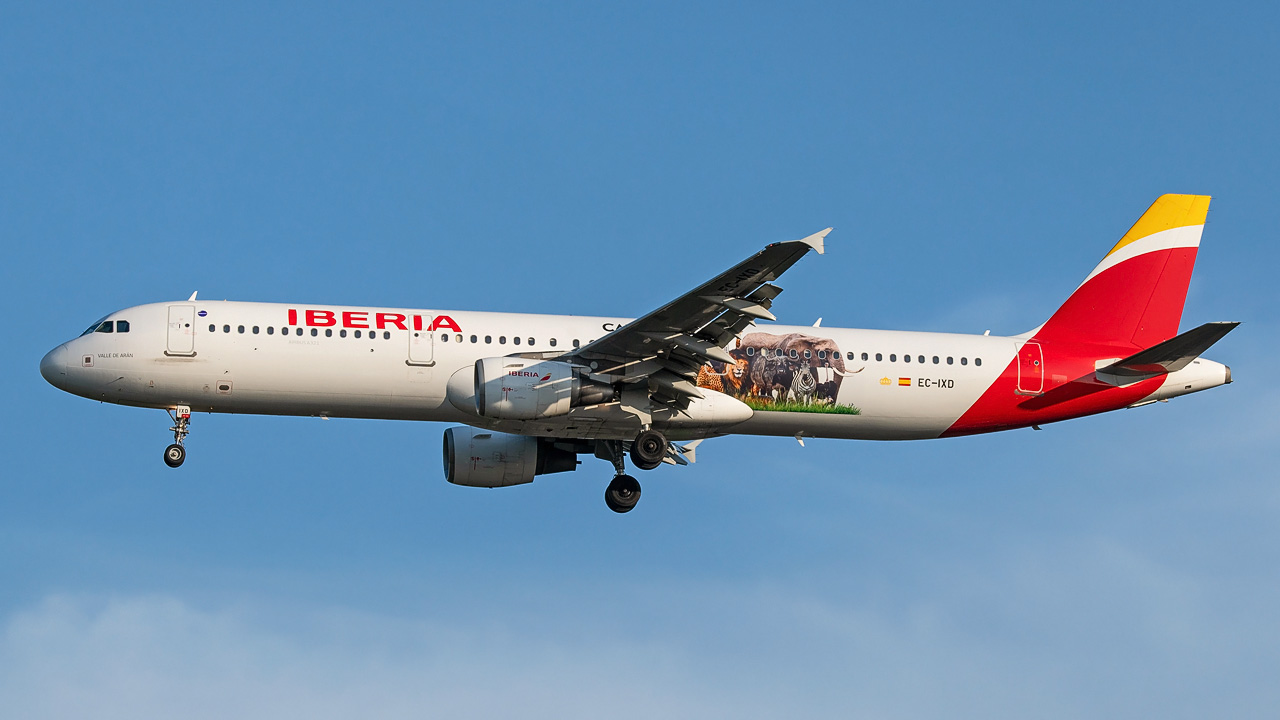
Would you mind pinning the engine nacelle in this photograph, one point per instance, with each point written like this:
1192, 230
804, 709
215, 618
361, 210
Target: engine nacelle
513, 388
481, 458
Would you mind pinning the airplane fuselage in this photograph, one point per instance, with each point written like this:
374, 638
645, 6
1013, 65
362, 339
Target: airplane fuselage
357, 362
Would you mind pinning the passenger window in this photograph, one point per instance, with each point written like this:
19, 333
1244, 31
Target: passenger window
299, 332
122, 326
328, 332
227, 329
488, 339
444, 337
893, 357
951, 360
342, 333
553, 342
255, 329
240, 329
864, 357
515, 340
964, 361
271, 329
793, 354
906, 358
386, 335
532, 341
751, 351
575, 342
807, 354
822, 354
105, 327
457, 337
315, 332
502, 339
935, 359
920, 358
213, 328
357, 334
474, 339
977, 361
879, 357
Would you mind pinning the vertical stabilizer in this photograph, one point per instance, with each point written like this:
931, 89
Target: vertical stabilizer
1135, 295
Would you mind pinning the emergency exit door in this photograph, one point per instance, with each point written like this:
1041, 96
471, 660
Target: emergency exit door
182, 331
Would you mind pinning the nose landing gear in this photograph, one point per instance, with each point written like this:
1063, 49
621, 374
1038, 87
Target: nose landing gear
175, 454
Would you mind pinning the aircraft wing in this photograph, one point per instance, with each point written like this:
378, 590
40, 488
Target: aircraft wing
666, 347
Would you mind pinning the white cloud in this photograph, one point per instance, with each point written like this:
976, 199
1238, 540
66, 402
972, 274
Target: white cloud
1082, 629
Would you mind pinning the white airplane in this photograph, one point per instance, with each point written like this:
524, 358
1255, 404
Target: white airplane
533, 392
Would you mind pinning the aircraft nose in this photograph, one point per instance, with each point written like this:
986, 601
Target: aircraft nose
53, 366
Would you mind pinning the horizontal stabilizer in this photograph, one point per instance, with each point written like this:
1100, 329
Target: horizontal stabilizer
1169, 356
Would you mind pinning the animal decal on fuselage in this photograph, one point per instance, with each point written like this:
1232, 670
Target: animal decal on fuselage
728, 379
792, 372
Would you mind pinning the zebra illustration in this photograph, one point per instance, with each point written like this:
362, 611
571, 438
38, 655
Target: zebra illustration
803, 384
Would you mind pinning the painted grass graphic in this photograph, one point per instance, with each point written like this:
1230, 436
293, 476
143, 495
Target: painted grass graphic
792, 406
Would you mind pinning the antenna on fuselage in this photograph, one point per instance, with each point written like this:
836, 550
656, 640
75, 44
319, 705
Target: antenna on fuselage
193, 296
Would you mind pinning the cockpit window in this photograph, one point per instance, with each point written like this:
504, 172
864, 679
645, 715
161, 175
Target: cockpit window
122, 326
106, 327
96, 324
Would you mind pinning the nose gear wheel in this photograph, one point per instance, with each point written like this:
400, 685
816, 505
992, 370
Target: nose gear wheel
176, 454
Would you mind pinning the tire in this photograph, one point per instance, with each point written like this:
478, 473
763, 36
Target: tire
174, 455
648, 450
622, 494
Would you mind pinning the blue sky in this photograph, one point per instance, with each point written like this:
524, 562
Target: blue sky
976, 162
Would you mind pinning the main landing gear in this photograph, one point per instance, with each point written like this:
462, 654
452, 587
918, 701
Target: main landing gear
176, 453
647, 452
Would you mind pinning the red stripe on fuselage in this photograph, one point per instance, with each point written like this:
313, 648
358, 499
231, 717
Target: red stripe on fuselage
1070, 391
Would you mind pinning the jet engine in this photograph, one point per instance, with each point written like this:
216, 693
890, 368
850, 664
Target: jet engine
513, 388
480, 458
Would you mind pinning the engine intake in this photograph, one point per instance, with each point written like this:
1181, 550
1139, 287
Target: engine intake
512, 388
480, 458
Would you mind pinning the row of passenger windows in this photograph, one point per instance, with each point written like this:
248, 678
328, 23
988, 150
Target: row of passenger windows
108, 326
893, 357
315, 332
502, 340
123, 326
386, 334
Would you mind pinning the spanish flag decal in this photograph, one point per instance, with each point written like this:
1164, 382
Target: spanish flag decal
904, 382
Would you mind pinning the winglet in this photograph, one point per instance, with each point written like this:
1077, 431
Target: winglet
815, 240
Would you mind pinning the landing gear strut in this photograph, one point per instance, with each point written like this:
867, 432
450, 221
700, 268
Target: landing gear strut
623, 492
176, 453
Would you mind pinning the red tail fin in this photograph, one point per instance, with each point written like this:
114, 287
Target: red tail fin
1135, 295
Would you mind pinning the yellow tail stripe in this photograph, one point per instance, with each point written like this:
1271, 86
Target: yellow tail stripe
1168, 211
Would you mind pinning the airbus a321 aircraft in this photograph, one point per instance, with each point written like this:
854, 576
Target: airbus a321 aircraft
533, 392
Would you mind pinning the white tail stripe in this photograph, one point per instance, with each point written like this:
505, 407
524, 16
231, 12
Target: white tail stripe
1187, 236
